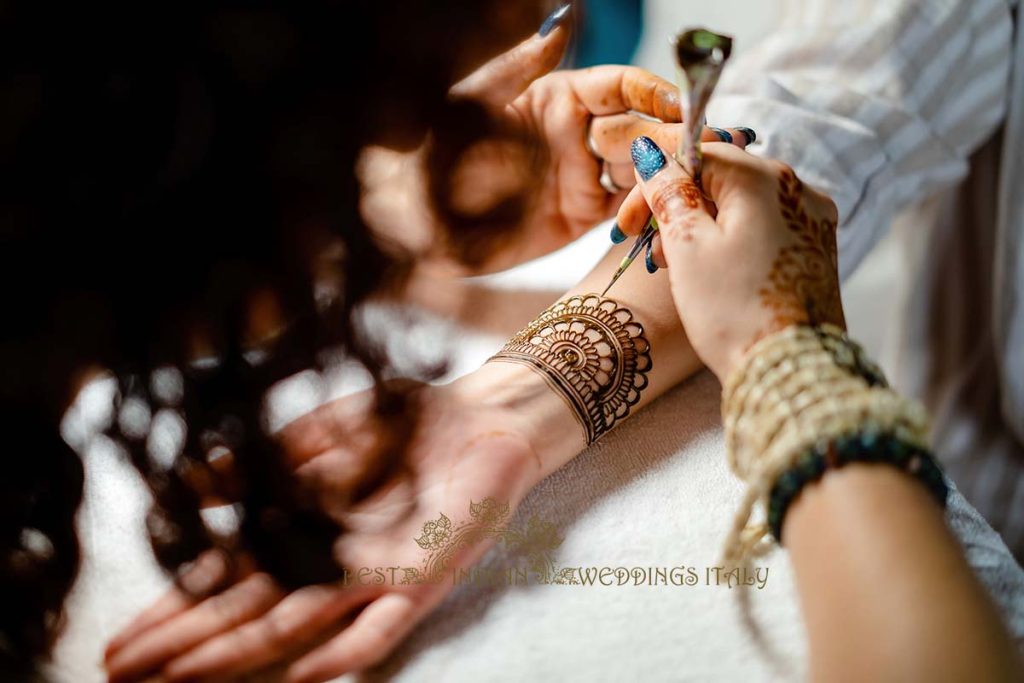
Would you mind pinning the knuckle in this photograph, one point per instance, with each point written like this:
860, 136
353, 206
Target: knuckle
771, 171
830, 209
670, 200
273, 632
779, 167
679, 229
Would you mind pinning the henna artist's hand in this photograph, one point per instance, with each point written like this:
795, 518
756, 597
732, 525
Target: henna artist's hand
475, 441
561, 108
755, 255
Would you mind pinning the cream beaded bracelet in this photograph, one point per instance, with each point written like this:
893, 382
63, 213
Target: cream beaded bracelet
803, 400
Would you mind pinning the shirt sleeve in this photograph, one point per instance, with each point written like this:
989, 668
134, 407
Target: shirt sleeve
879, 104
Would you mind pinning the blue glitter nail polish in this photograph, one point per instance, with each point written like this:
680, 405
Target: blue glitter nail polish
618, 237
649, 262
554, 19
749, 132
647, 157
723, 135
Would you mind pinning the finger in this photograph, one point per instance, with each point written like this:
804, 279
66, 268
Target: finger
505, 77
613, 135
344, 421
675, 200
622, 175
632, 216
333, 478
289, 625
206, 574
237, 605
657, 254
374, 633
739, 137
618, 89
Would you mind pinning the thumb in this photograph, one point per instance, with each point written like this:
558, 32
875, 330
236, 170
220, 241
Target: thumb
675, 200
505, 77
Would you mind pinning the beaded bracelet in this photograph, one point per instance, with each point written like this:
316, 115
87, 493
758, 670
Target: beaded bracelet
797, 388
866, 446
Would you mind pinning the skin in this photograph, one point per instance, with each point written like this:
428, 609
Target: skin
558, 108
750, 217
886, 597
501, 429
896, 587
496, 432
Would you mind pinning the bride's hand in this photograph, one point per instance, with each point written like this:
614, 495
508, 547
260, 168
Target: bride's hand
562, 108
475, 440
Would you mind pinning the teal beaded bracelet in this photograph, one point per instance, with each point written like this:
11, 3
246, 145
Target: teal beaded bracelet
865, 446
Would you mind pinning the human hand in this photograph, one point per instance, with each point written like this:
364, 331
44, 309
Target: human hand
610, 105
475, 440
563, 109
752, 254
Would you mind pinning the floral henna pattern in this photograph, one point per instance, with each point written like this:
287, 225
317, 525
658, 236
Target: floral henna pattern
592, 352
803, 282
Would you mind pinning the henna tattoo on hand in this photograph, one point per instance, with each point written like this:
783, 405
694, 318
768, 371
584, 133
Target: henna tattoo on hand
592, 352
804, 281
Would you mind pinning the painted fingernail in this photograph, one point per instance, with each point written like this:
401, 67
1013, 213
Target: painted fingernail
618, 237
554, 19
723, 135
749, 132
651, 268
648, 159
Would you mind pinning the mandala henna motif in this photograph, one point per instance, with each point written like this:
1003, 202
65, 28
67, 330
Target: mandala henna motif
804, 287
592, 352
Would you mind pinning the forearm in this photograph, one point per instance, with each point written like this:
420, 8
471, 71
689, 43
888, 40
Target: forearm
885, 590
537, 408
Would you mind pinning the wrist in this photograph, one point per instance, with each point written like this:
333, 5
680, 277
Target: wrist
523, 403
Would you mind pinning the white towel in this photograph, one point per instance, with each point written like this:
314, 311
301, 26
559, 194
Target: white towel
655, 492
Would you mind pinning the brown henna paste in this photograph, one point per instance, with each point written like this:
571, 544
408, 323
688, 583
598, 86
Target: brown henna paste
592, 352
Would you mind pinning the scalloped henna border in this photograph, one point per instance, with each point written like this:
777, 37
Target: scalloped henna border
599, 394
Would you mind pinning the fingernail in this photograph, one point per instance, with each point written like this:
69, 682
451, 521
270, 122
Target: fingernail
648, 159
618, 237
651, 268
749, 132
554, 19
723, 135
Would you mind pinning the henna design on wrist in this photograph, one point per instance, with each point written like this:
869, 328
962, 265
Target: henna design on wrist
804, 281
592, 352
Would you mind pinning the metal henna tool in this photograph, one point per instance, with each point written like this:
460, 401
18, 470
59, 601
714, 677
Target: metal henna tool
700, 57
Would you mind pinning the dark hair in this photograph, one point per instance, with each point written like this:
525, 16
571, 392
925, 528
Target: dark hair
162, 165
